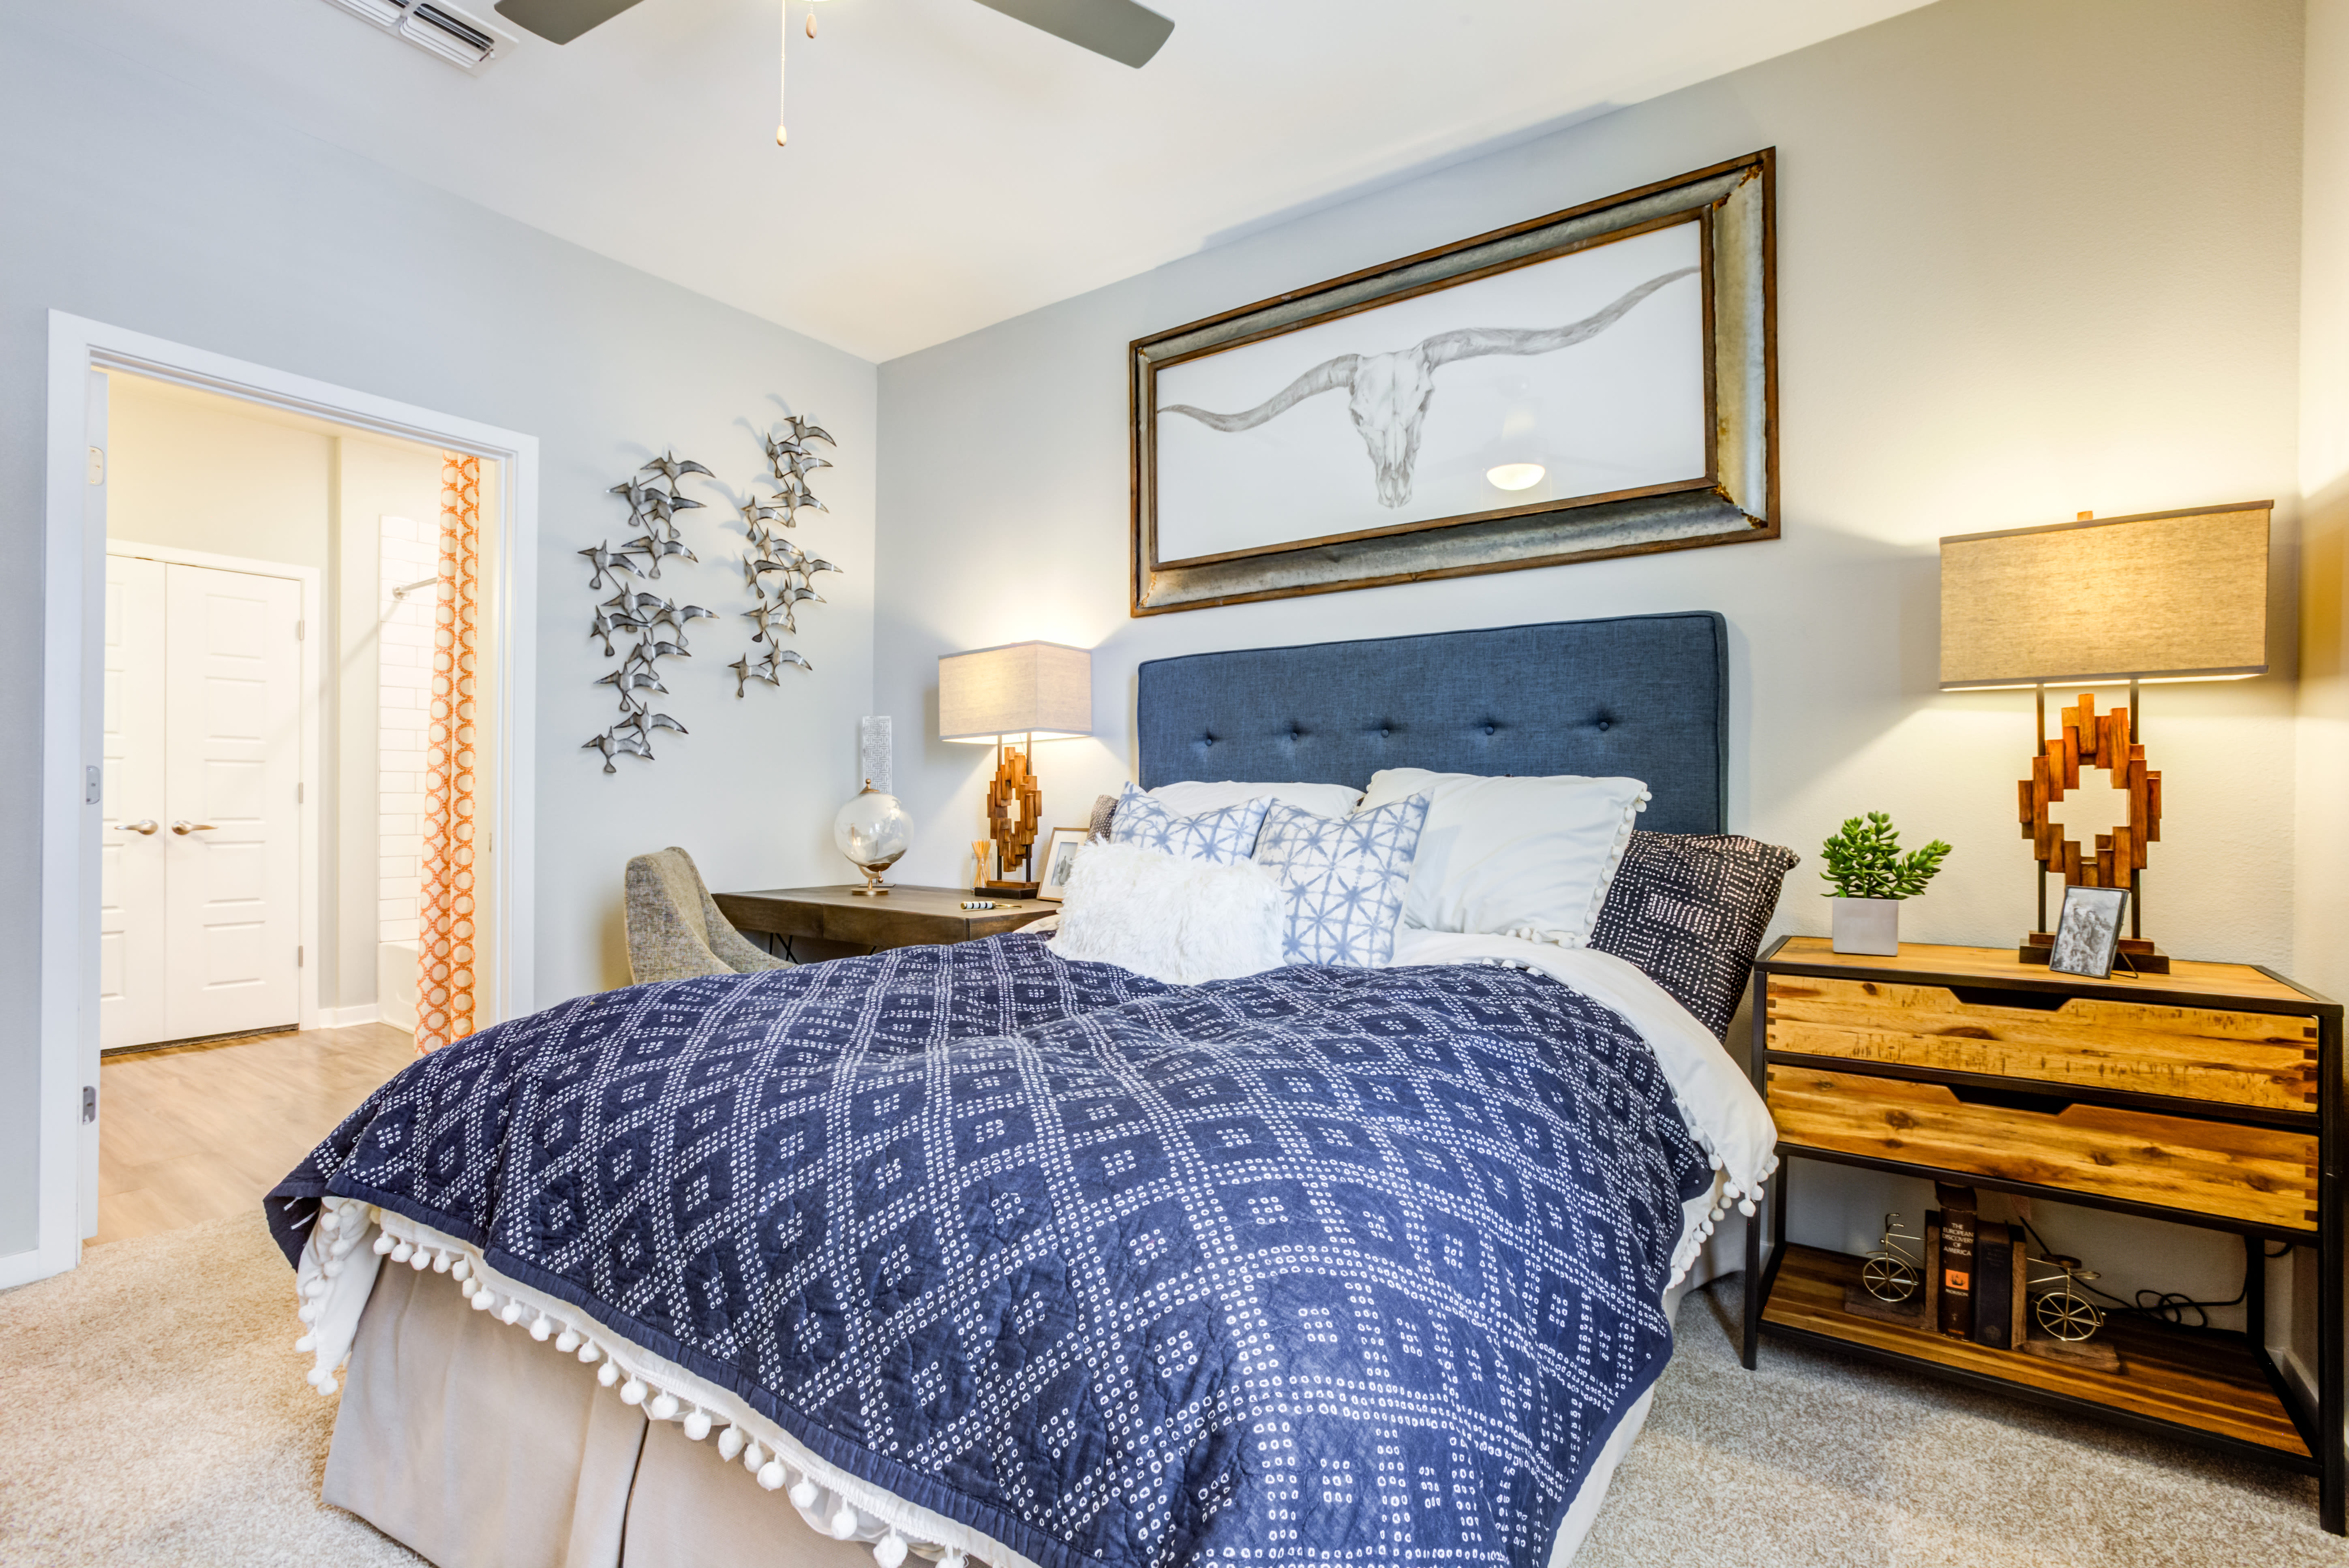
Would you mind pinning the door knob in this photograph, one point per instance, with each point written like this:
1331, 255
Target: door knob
144, 827
183, 829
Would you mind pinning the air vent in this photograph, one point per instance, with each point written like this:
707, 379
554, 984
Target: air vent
466, 42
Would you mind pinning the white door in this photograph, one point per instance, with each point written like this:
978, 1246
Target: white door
201, 853
233, 776
133, 839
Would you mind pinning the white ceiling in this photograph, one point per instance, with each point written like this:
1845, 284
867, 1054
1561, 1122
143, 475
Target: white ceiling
948, 167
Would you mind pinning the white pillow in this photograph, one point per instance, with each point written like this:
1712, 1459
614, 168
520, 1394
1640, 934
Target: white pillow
1529, 858
1183, 921
1188, 800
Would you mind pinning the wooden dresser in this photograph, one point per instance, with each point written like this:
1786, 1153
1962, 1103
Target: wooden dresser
2210, 1097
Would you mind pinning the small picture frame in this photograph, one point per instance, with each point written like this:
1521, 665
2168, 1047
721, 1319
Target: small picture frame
2088, 930
1052, 868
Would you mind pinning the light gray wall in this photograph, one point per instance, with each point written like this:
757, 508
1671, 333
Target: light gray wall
148, 202
2033, 259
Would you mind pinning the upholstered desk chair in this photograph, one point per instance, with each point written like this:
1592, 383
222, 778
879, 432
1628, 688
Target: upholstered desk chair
675, 932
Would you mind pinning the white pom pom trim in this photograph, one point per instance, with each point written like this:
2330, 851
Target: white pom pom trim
833, 1501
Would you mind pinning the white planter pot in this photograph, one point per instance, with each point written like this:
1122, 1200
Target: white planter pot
1867, 925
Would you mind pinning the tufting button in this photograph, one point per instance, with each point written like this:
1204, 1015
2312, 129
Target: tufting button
1602, 724
1488, 729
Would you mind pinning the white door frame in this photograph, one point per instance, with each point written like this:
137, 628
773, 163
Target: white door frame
72, 674
311, 748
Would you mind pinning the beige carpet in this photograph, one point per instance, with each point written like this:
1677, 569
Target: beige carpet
154, 1412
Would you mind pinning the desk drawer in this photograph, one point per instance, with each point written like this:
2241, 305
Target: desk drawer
2256, 1173
2263, 1059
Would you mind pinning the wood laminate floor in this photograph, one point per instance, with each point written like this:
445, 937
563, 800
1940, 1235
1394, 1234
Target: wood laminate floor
200, 1133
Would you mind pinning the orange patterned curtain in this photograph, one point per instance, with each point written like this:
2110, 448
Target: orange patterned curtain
445, 900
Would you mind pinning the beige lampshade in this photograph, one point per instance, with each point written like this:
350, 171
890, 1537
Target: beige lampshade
2164, 596
1041, 689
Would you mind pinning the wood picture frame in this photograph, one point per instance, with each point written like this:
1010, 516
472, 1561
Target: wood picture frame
1723, 218
1053, 866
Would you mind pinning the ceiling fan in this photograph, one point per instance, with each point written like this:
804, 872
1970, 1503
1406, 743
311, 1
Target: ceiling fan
1120, 29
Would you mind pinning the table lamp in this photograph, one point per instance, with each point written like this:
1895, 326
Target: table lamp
2158, 596
1036, 691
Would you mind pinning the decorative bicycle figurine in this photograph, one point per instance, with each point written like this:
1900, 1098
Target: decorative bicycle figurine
1892, 1271
2063, 1312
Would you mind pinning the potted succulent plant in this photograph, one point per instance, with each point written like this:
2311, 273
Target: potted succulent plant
1870, 876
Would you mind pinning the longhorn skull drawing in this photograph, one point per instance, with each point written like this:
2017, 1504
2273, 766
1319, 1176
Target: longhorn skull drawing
1388, 394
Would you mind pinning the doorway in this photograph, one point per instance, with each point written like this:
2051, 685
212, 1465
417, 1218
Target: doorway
171, 703
265, 819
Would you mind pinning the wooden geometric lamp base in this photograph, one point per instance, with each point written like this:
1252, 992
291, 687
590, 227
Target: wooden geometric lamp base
2107, 740
1015, 804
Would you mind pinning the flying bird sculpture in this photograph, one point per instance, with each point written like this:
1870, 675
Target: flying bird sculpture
653, 627
672, 468
1387, 394
764, 614
775, 569
607, 561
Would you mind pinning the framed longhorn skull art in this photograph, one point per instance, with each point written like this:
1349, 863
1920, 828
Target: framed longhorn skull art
1601, 381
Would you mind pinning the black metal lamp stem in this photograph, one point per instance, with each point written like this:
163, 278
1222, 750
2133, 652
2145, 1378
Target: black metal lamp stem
2136, 877
2039, 735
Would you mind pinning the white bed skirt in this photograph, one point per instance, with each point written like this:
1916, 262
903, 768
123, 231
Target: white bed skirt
471, 1444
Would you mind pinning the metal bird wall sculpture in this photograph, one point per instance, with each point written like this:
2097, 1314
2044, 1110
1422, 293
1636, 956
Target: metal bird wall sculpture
640, 617
777, 571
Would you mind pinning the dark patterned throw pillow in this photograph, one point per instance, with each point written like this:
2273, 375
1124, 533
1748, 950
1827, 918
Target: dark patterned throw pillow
1690, 910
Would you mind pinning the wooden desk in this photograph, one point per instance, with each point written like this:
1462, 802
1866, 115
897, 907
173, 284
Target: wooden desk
820, 922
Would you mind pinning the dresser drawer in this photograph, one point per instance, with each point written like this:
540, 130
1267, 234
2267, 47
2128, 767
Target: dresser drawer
2261, 1174
2263, 1059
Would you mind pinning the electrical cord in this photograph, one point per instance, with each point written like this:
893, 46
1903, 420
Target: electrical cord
2168, 1305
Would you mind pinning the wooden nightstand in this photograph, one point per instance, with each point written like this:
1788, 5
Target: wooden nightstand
820, 922
2211, 1096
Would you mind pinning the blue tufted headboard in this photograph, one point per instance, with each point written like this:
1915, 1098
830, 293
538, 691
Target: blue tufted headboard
1642, 696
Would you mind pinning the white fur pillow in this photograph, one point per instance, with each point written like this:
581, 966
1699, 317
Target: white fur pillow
1178, 920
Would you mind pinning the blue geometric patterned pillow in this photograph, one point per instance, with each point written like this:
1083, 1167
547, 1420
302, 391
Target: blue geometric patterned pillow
1345, 877
1224, 838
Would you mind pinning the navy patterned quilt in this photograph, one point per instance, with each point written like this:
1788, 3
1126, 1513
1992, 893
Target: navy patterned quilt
1322, 1266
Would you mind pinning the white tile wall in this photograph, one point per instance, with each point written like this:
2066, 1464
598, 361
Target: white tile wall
410, 550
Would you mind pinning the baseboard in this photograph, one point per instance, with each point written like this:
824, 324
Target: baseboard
346, 1017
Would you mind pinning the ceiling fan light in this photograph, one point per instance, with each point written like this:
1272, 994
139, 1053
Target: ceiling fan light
1514, 476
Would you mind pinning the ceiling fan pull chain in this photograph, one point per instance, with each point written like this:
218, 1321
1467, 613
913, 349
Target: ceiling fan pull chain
783, 61
811, 21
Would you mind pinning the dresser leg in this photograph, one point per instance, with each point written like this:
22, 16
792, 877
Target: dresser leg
1769, 1206
2333, 1490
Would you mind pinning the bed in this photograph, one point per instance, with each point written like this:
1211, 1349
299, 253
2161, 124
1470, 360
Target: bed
975, 1253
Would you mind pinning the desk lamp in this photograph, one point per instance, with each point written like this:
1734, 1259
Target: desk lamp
1036, 691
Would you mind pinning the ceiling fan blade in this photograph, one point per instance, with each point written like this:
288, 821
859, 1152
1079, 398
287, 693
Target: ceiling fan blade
1126, 31
559, 21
